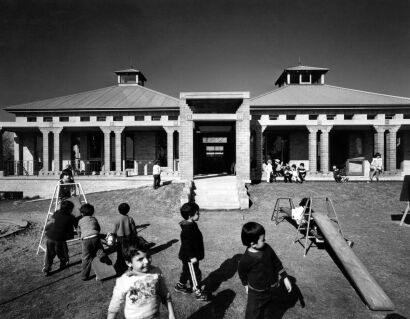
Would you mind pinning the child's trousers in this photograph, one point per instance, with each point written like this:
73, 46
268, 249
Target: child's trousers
53, 248
261, 305
186, 275
92, 247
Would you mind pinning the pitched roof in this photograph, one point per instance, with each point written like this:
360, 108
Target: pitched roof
325, 95
113, 97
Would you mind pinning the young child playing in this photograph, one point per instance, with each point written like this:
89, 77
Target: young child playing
259, 270
140, 289
302, 172
125, 231
295, 175
338, 175
192, 250
89, 231
287, 174
58, 230
269, 171
156, 172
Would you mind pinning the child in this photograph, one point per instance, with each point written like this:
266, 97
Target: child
302, 172
278, 167
89, 231
156, 171
66, 191
295, 175
58, 230
338, 175
192, 250
287, 174
376, 167
125, 231
140, 289
259, 270
268, 171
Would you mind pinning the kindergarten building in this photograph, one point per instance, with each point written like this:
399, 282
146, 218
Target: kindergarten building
120, 130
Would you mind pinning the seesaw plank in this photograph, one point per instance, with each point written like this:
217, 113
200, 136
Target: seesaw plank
369, 289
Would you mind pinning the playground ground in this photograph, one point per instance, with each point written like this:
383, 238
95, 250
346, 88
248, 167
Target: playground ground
368, 214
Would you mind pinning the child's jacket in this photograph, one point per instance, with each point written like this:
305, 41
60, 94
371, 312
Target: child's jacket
260, 270
124, 226
192, 243
89, 226
62, 226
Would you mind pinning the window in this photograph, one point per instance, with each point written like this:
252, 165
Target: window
313, 116
156, 118
389, 116
290, 116
63, 119
84, 119
273, 117
101, 118
406, 116
139, 117
214, 151
32, 119
305, 78
47, 119
371, 116
214, 140
330, 116
117, 118
348, 116
172, 117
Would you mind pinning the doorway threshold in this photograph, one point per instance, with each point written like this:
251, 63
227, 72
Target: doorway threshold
203, 176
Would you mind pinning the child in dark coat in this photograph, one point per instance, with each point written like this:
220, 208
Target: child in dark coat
125, 232
58, 231
259, 270
89, 230
192, 250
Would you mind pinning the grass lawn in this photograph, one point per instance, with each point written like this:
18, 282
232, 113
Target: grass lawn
367, 213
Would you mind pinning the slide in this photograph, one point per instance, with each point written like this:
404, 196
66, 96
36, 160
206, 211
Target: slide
369, 289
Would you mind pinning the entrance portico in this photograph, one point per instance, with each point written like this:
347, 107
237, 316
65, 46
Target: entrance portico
214, 133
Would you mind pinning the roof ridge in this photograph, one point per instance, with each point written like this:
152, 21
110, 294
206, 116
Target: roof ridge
163, 94
367, 92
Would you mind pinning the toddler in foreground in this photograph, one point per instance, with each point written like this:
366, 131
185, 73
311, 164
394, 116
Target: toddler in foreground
140, 289
259, 269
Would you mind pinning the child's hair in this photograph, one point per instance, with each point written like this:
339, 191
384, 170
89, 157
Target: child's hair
156, 162
305, 202
251, 232
134, 250
301, 164
377, 154
87, 210
123, 208
293, 166
189, 210
66, 207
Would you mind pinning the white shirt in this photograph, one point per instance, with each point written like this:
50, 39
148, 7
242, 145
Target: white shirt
156, 169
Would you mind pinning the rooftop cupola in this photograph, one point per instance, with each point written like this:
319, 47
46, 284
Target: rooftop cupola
130, 77
302, 74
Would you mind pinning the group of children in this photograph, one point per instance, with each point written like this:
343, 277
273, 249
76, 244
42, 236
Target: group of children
141, 287
290, 173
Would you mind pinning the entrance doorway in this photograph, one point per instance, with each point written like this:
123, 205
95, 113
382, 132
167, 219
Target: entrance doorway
214, 147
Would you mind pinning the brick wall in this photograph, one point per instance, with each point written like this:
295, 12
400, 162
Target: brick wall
186, 143
243, 141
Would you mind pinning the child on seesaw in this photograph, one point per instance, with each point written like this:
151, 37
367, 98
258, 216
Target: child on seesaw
259, 270
140, 289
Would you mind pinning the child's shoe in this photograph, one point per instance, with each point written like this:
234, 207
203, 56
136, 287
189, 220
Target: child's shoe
46, 272
182, 288
201, 295
106, 260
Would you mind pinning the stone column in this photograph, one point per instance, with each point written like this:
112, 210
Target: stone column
186, 142
56, 131
312, 148
379, 139
107, 155
170, 146
243, 134
46, 165
134, 143
118, 130
324, 148
259, 129
1, 152
392, 149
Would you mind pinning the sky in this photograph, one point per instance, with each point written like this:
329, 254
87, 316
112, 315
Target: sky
54, 48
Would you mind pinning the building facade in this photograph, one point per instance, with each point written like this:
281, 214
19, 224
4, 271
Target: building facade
122, 129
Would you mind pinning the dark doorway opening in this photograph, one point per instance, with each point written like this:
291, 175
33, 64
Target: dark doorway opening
214, 147
338, 148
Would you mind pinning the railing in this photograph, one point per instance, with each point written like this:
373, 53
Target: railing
21, 168
90, 168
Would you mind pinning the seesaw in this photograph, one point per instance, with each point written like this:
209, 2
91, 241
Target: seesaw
368, 288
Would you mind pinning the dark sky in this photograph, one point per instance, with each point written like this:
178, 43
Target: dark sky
53, 48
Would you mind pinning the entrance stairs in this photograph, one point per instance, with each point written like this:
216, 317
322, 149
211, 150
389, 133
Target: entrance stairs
216, 192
